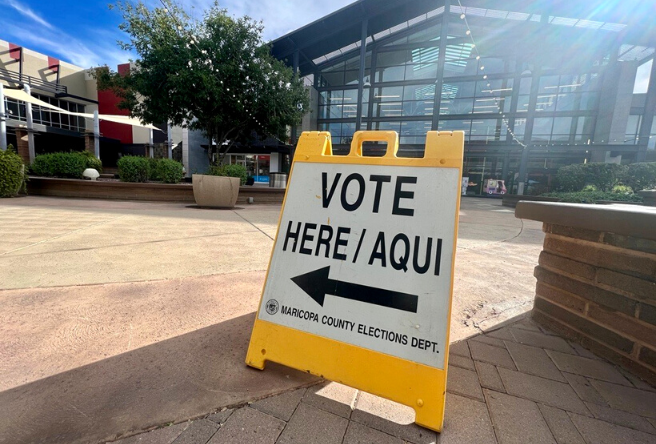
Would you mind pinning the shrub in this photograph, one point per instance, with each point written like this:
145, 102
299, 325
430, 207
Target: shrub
133, 169
571, 177
12, 177
593, 196
169, 171
231, 170
152, 169
641, 176
92, 161
604, 176
622, 189
67, 165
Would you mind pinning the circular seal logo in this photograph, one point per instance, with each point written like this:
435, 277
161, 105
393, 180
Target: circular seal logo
272, 306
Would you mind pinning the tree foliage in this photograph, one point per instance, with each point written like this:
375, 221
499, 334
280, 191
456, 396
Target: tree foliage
213, 74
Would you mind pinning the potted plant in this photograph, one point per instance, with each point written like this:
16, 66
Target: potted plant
220, 187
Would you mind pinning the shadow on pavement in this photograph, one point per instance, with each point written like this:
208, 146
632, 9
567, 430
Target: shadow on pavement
172, 380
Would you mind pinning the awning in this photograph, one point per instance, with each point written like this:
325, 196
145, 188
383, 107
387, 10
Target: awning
125, 120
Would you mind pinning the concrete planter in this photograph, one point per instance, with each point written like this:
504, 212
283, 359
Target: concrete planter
511, 200
648, 197
215, 191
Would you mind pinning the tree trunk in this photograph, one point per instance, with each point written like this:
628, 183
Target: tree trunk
209, 148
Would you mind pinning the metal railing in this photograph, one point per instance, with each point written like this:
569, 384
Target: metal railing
34, 82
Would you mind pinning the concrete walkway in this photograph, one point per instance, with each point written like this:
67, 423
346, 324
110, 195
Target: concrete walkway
515, 384
121, 316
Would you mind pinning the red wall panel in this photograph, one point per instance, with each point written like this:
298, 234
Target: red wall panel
108, 104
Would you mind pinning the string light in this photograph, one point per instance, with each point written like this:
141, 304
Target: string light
499, 106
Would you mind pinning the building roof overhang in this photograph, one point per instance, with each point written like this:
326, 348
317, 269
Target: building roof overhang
343, 28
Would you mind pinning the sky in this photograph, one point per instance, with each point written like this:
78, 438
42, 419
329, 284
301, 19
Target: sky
85, 32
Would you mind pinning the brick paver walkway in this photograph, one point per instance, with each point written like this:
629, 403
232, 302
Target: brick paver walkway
517, 384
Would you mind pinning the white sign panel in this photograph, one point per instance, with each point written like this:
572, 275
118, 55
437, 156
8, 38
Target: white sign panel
363, 256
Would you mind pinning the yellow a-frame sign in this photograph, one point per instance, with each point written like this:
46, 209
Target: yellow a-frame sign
360, 280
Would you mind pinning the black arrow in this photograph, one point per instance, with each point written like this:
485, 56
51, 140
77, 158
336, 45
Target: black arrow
317, 285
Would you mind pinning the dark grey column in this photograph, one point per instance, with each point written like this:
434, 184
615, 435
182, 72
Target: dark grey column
648, 116
294, 132
528, 133
363, 54
437, 98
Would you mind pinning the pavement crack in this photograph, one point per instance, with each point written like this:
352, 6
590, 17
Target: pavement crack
255, 226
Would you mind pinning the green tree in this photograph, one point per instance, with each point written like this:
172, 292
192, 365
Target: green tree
214, 74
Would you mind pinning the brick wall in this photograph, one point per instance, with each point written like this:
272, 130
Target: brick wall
600, 290
89, 143
22, 145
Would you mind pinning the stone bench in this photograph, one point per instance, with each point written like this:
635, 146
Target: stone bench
596, 279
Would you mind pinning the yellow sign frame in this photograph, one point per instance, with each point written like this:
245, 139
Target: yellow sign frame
418, 386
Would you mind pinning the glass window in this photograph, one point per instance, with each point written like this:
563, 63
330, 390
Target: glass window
390, 74
632, 128
488, 130
519, 128
12, 109
495, 65
387, 126
419, 92
562, 128
522, 103
456, 90
548, 84
414, 132
525, 85
430, 34
460, 60
491, 105
487, 88
351, 77
388, 94
651, 143
546, 102
584, 129
542, 129
425, 55
388, 109
457, 106
393, 58
365, 102
455, 125
344, 73
568, 102
421, 71
332, 78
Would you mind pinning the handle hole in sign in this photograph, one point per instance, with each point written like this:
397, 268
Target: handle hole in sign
374, 149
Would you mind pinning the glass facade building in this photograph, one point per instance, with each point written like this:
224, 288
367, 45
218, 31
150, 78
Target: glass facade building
531, 91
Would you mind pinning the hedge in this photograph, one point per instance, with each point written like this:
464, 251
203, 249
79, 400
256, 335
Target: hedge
133, 169
12, 175
641, 176
593, 196
169, 171
152, 169
231, 170
66, 165
606, 176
